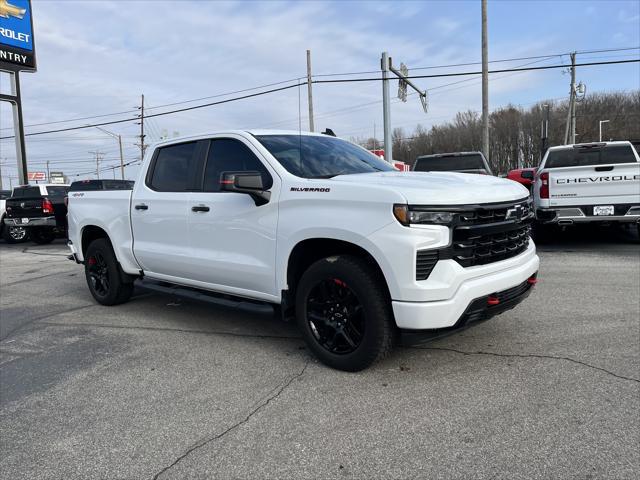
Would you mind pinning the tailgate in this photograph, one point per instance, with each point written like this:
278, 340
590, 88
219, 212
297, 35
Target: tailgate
595, 185
24, 207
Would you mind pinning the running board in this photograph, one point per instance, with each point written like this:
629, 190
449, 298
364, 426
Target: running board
197, 295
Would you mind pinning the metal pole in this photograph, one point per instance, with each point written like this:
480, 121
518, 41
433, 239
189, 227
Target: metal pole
386, 108
142, 129
48, 176
21, 152
485, 83
600, 127
121, 157
545, 131
570, 131
309, 91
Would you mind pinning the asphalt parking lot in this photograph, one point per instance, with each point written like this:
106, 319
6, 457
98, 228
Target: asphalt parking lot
166, 388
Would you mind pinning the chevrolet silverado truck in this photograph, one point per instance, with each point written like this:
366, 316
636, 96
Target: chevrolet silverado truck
596, 183
40, 209
331, 235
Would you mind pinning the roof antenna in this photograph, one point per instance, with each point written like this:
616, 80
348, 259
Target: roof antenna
328, 131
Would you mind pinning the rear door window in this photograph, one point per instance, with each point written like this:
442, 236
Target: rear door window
174, 168
585, 156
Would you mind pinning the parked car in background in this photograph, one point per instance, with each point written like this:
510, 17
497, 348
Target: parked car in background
332, 235
588, 183
462, 162
41, 209
524, 176
10, 234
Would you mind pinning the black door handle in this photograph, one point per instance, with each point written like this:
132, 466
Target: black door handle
200, 208
604, 169
141, 206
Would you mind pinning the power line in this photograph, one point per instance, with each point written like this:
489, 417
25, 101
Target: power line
350, 80
324, 75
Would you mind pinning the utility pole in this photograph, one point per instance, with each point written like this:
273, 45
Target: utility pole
570, 130
545, 131
485, 83
142, 145
386, 108
48, 176
99, 156
309, 91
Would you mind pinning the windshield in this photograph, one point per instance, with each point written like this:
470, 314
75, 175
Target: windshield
310, 156
449, 163
581, 156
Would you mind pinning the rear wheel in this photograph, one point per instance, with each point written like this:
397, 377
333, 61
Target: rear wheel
42, 235
14, 234
104, 275
344, 313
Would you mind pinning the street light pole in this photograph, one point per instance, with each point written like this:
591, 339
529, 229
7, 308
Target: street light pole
119, 138
600, 127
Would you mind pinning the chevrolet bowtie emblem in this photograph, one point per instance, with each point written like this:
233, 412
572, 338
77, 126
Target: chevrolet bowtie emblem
7, 10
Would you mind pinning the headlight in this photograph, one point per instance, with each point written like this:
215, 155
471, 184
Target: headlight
407, 217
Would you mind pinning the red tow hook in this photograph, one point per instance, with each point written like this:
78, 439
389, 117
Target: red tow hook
532, 281
491, 300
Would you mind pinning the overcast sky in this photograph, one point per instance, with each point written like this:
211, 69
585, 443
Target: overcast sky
97, 57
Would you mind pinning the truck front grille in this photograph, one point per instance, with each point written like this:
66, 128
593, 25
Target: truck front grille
488, 235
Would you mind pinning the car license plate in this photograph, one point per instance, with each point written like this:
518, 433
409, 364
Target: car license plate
25, 220
603, 210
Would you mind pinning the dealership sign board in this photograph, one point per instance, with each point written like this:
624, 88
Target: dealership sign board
17, 48
36, 176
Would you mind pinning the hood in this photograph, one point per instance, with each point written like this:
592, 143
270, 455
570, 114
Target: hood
442, 188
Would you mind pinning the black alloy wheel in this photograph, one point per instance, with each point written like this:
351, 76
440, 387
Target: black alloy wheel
343, 310
335, 316
98, 274
108, 284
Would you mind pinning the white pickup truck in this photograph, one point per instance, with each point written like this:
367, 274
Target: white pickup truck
588, 183
321, 228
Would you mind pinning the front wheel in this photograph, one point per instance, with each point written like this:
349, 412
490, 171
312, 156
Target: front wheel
104, 275
344, 313
42, 235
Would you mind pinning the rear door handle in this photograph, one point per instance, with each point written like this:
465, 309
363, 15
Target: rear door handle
141, 206
199, 208
604, 169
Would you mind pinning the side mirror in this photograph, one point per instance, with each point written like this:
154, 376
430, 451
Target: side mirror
528, 174
245, 182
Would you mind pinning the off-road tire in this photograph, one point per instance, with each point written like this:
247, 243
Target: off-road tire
379, 326
118, 290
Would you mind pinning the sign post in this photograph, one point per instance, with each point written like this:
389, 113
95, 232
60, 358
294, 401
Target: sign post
17, 53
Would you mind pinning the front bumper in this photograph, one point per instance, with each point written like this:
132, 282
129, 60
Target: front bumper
480, 310
583, 214
447, 313
32, 222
